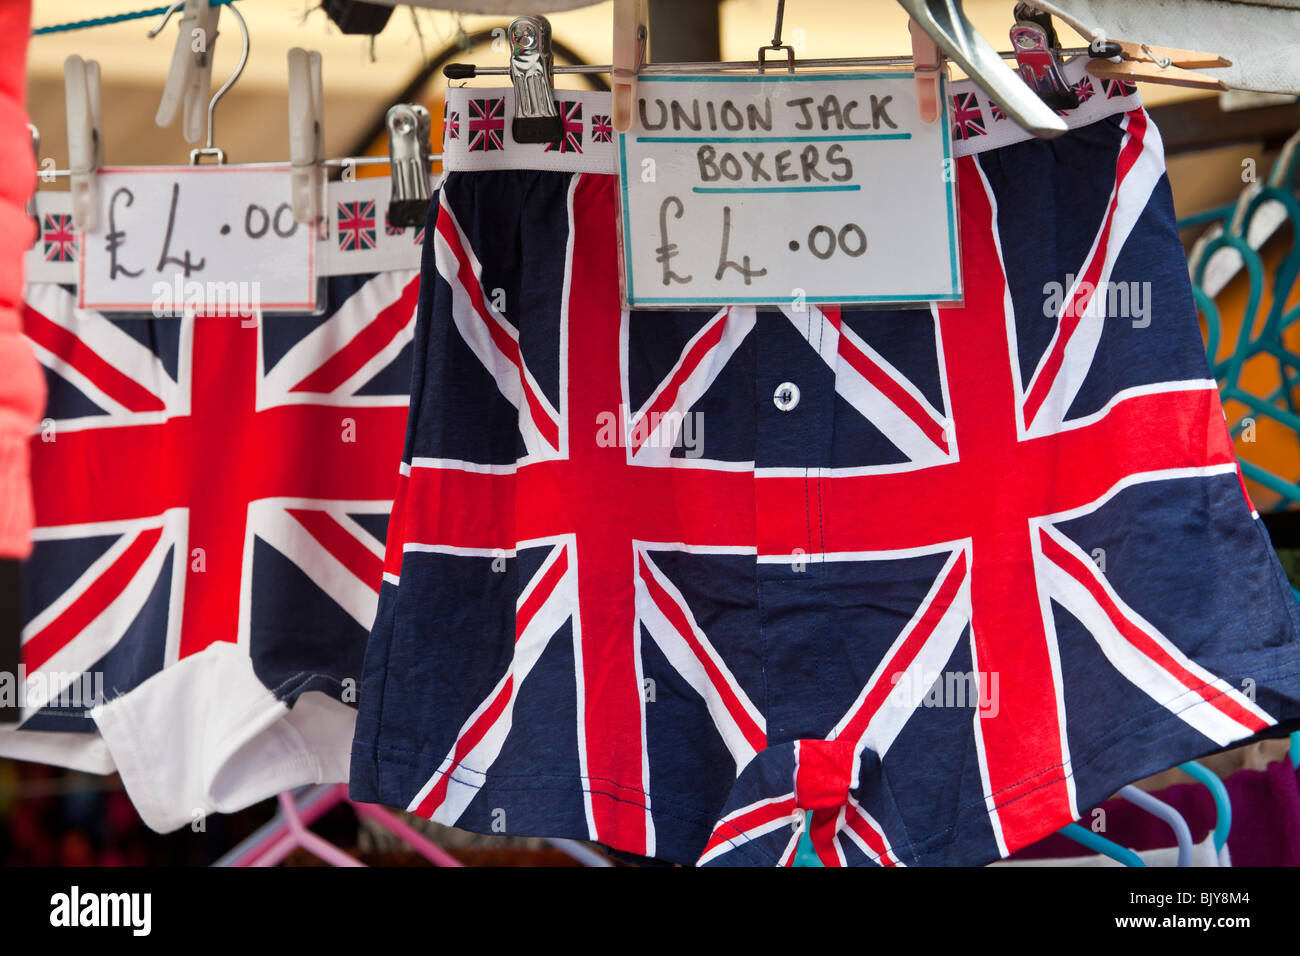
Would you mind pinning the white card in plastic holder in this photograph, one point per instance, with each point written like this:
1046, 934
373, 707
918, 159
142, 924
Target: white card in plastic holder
192, 238
781, 188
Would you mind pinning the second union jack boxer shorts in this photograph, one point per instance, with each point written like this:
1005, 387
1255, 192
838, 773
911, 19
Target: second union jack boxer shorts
212, 496
927, 583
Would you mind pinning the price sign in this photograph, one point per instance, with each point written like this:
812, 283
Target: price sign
206, 239
786, 188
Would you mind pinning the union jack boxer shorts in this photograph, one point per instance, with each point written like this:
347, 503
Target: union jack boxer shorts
212, 496
926, 583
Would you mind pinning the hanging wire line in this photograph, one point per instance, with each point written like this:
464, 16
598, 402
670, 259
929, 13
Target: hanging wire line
114, 18
780, 16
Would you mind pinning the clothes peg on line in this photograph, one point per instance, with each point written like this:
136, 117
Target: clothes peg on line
306, 134
1038, 57
85, 138
190, 76
531, 63
1142, 63
631, 34
928, 65
409, 128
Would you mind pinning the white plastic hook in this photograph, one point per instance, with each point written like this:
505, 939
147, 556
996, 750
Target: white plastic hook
631, 35
85, 138
306, 133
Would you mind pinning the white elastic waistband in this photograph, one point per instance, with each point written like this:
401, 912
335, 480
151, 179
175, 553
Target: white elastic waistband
477, 124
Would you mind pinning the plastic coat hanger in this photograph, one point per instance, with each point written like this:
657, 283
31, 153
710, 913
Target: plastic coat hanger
1100, 844
1140, 798
1222, 804
288, 831
1156, 807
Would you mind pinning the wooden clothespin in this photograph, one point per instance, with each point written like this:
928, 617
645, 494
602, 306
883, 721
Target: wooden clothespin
631, 35
85, 138
928, 64
189, 79
1143, 63
306, 134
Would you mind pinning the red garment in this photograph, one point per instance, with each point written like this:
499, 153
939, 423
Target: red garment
22, 389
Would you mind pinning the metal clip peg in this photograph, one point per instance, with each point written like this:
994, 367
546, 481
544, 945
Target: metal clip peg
409, 127
1038, 56
531, 62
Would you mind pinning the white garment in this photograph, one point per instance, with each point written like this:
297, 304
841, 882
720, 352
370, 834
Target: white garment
1259, 36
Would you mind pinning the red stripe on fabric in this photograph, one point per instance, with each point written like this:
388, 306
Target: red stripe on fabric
539, 595
870, 835
367, 343
875, 699
822, 832
1141, 641
754, 735
1128, 158
738, 827
668, 397
342, 544
67, 347
396, 536
464, 745
888, 386
102, 592
505, 343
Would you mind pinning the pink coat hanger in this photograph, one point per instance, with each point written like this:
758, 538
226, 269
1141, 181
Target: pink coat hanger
288, 831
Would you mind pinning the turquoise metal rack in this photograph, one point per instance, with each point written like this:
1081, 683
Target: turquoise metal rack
1261, 209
